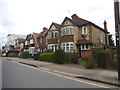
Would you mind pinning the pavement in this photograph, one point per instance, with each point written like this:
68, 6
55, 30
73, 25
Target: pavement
74, 70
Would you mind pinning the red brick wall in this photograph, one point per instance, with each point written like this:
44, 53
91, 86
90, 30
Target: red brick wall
85, 53
52, 41
67, 38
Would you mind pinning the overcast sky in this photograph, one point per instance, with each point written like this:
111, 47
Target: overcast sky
27, 16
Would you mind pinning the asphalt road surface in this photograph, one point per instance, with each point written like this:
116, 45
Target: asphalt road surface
16, 75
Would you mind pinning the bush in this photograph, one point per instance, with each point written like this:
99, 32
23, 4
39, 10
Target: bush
60, 56
24, 54
13, 53
37, 56
95, 50
101, 60
90, 63
81, 61
49, 57
48, 51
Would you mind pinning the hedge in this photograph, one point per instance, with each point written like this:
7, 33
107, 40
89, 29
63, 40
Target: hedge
49, 57
24, 54
60, 56
13, 53
71, 58
90, 63
37, 56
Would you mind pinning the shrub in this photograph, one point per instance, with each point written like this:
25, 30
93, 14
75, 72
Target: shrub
49, 57
48, 51
90, 63
95, 50
81, 61
101, 60
37, 56
75, 59
13, 53
24, 54
60, 56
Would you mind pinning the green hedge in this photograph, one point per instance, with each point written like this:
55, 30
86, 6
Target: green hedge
48, 51
60, 56
95, 50
49, 57
24, 54
90, 63
37, 56
13, 53
101, 60
71, 58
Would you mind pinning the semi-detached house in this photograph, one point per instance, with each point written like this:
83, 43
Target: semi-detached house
76, 35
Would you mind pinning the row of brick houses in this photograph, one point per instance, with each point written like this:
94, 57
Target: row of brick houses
73, 35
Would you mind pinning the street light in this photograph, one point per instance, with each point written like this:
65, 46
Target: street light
117, 32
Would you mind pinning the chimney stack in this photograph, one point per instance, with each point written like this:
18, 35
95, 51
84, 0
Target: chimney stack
105, 25
44, 29
74, 16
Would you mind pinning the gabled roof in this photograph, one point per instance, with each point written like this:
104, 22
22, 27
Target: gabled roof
80, 22
43, 33
77, 21
20, 39
35, 36
58, 26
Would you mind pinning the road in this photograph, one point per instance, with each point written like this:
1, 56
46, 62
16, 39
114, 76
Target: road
16, 75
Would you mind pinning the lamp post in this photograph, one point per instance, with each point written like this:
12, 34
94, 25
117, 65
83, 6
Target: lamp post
117, 33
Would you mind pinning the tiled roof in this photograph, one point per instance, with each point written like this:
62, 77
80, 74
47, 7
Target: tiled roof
20, 39
58, 26
35, 36
83, 41
80, 22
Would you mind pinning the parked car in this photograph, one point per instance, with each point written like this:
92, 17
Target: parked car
34, 53
4, 54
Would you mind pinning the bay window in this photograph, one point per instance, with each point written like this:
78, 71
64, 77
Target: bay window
67, 46
67, 30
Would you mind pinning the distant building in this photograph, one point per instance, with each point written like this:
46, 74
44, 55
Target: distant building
11, 38
19, 43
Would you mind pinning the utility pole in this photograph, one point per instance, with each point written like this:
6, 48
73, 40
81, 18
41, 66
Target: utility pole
117, 33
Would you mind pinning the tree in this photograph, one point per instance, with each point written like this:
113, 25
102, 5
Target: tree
111, 41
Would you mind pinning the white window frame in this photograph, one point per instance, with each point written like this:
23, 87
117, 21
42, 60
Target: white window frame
67, 30
83, 30
84, 45
31, 41
64, 46
49, 46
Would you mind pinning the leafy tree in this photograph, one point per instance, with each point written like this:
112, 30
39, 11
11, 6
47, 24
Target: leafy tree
111, 41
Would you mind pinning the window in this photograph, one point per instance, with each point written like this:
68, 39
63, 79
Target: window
56, 35
40, 40
68, 30
85, 47
31, 41
52, 35
53, 47
67, 47
84, 30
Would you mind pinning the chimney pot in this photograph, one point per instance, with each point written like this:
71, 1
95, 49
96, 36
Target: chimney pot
44, 29
105, 25
74, 16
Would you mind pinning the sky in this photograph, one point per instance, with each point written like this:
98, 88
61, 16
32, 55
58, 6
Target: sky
28, 16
